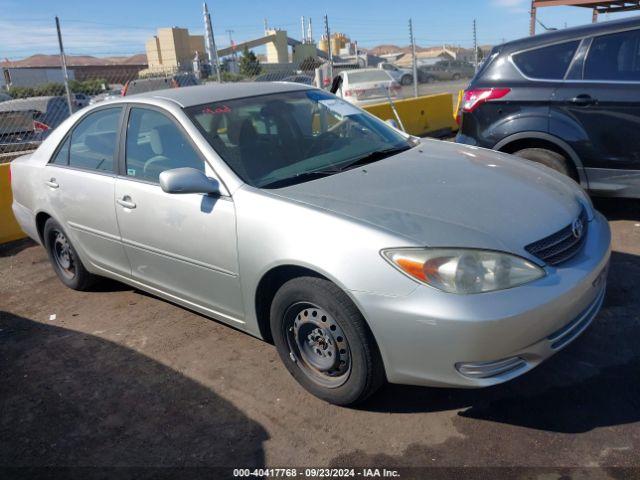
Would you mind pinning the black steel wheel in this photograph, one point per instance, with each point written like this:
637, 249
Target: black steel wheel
64, 257
318, 344
324, 341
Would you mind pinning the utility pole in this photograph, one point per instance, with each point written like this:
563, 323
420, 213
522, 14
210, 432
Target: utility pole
415, 60
210, 43
303, 29
327, 33
63, 61
475, 45
310, 32
230, 32
532, 21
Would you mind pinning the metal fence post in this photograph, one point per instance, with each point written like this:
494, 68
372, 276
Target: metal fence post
475, 45
212, 51
414, 61
63, 61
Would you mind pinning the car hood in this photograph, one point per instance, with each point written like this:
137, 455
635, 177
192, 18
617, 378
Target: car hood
445, 194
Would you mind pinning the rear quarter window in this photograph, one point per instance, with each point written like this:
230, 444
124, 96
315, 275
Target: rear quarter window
547, 63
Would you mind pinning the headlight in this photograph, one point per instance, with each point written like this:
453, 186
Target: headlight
463, 271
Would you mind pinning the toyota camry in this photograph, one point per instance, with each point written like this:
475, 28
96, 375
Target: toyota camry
364, 254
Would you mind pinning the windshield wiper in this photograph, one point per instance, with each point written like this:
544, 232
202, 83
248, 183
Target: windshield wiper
325, 172
301, 177
374, 157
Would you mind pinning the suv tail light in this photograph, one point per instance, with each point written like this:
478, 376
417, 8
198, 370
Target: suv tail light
474, 98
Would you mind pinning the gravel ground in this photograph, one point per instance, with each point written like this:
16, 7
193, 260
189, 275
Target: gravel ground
116, 377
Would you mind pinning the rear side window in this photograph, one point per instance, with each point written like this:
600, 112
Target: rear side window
94, 140
547, 63
614, 57
62, 157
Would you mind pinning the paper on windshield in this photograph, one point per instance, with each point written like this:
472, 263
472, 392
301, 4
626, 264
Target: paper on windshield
339, 107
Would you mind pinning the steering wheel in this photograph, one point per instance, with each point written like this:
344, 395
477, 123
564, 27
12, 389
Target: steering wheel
153, 160
322, 142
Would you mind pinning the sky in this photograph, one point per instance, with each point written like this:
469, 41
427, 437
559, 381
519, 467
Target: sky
120, 27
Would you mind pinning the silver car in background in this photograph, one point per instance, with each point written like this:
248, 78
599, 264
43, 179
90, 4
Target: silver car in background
364, 254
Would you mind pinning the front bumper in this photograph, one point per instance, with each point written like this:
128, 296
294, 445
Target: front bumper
426, 336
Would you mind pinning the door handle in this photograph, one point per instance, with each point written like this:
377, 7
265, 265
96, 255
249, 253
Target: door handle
126, 202
584, 100
52, 183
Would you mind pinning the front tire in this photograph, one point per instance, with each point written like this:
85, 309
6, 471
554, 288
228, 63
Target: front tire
324, 341
406, 80
64, 257
546, 157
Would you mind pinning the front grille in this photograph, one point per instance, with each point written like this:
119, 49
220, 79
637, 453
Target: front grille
562, 245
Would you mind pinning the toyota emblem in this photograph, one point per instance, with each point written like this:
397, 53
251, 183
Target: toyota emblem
576, 228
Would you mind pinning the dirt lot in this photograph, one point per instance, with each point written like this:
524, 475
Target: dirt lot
118, 377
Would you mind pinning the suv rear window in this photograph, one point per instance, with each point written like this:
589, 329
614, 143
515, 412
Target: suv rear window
614, 57
547, 63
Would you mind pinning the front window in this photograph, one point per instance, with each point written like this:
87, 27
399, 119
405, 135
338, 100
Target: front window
281, 139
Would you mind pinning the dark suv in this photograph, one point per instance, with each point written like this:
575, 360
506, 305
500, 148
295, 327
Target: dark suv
569, 99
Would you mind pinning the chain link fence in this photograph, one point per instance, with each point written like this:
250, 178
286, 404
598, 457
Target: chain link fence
34, 100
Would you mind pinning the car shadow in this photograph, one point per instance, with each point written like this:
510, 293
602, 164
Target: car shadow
72, 399
590, 384
13, 248
618, 208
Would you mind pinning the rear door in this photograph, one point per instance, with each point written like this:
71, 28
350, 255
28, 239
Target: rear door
183, 245
605, 104
80, 181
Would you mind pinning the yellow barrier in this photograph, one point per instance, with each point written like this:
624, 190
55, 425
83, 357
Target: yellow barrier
9, 228
421, 115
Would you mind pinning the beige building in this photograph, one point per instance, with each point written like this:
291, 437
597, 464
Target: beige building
173, 49
278, 48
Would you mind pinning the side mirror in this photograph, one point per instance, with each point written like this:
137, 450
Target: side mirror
188, 180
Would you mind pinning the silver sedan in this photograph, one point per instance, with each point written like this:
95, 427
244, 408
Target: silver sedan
364, 254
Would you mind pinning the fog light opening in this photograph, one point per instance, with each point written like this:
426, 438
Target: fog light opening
490, 369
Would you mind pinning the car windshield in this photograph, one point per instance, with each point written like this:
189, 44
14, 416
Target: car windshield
281, 139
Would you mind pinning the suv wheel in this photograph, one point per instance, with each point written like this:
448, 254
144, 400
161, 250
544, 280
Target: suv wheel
64, 258
324, 342
546, 157
406, 80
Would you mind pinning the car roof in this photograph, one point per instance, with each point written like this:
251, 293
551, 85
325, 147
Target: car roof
214, 92
568, 34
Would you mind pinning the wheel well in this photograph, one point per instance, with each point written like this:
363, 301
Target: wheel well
269, 284
41, 219
523, 143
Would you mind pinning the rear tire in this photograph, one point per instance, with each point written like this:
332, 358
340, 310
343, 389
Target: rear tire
324, 342
406, 80
64, 257
546, 157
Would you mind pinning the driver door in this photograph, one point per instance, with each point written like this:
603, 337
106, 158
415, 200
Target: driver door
181, 245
